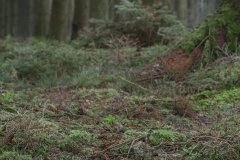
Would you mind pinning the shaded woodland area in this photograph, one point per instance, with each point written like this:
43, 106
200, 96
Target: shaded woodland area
119, 79
63, 19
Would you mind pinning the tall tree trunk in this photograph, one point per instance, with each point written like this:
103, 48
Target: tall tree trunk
25, 19
11, 17
99, 9
192, 13
2, 17
17, 18
43, 13
71, 8
182, 10
59, 20
117, 17
112, 9
81, 16
147, 2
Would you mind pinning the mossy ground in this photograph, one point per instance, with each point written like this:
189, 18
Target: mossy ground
85, 104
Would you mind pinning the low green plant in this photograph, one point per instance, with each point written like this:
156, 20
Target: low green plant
216, 98
8, 96
159, 136
109, 120
14, 155
6, 101
78, 138
136, 99
129, 134
191, 153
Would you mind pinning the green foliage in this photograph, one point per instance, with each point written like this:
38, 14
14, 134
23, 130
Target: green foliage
159, 136
14, 155
191, 153
62, 132
78, 138
222, 75
109, 120
195, 38
51, 63
206, 54
39, 60
8, 96
225, 16
133, 133
139, 99
149, 24
135, 99
6, 101
171, 33
215, 98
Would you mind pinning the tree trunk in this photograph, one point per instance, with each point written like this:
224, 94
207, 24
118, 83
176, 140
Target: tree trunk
192, 14
43, 12
71, 8
81, 16
117, 17
2, 17
59, 20
112, 9
182, 10
147, 2
17, 18
25, 19
11, 17
99, 9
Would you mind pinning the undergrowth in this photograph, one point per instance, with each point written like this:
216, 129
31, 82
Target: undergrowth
108, 114
58, 101
138, 25
51, 63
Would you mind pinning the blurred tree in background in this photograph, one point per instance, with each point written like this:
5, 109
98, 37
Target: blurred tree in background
62, 19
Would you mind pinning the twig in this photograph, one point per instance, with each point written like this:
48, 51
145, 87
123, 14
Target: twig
130, 148
134, 84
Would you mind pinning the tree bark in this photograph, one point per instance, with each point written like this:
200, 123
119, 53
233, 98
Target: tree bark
81, 16
182, 10
71, 8
11, 17
112, 9
99, 9
43, 12
59, 20
147, 2
25, 19
2, 17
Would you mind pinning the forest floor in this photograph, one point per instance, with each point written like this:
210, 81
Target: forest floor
121, 112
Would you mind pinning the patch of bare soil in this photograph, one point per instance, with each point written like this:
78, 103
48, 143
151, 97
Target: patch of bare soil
177, 61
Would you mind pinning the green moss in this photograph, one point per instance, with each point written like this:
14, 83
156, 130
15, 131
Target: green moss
195, 38
215, 98
227, 17
166, 135
109, 119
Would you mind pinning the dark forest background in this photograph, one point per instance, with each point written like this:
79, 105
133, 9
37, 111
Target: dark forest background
62, 19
